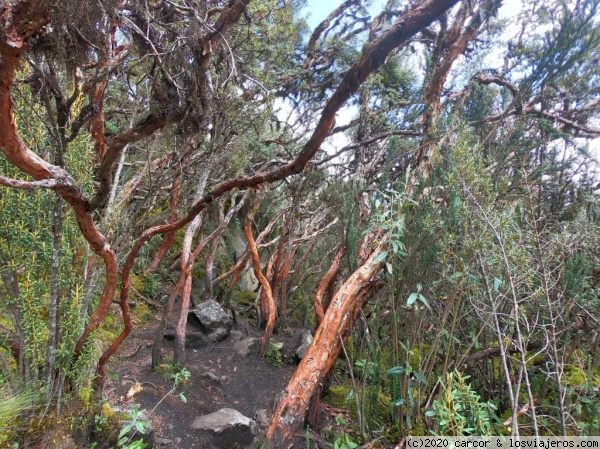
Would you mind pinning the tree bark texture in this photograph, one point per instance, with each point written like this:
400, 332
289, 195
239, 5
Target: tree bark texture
187, 262
321, 354
450, 45
266, 287
325, 284
26, 18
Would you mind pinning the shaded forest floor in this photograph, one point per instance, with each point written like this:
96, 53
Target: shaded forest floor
220, 378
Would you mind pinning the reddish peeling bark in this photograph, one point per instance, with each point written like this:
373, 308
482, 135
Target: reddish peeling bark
227, 19
450, 46
263, 301
264, 341
325, 283
235, 272
187, 262
275, 266
26, 17
324, 350
184, 286
113, 150
321, 354
315, 400
17, 24
330, 291
97, 101
167, 311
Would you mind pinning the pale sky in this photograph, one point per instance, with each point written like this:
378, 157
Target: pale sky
319, 9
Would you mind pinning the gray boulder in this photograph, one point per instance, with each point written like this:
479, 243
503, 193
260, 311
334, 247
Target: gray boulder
193, 338
229, 428
236, 245
246, 346
305, 341
213, 319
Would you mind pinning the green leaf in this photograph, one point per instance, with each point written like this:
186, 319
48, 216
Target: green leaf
396, 370
497, 284
411, 299
125, 430
380, 257
424, 301
420, 377
349, 396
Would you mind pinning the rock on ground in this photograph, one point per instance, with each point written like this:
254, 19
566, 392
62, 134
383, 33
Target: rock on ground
213, 319
246, 346
305, 341
193, 338
229, 427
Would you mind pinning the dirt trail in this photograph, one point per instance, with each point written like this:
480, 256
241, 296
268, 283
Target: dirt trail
245, 383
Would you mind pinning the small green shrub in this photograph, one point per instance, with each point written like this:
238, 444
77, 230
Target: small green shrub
460, 411
343, 440
274, 355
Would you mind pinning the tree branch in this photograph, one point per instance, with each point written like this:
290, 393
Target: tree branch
29, 185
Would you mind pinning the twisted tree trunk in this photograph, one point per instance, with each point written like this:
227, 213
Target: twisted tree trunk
326, 283
321, 355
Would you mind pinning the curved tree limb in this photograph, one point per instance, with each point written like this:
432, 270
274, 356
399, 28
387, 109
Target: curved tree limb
152, 123
450, 45
312, 43
325, 281
266, 286
29, 185
25, 18
517, 108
